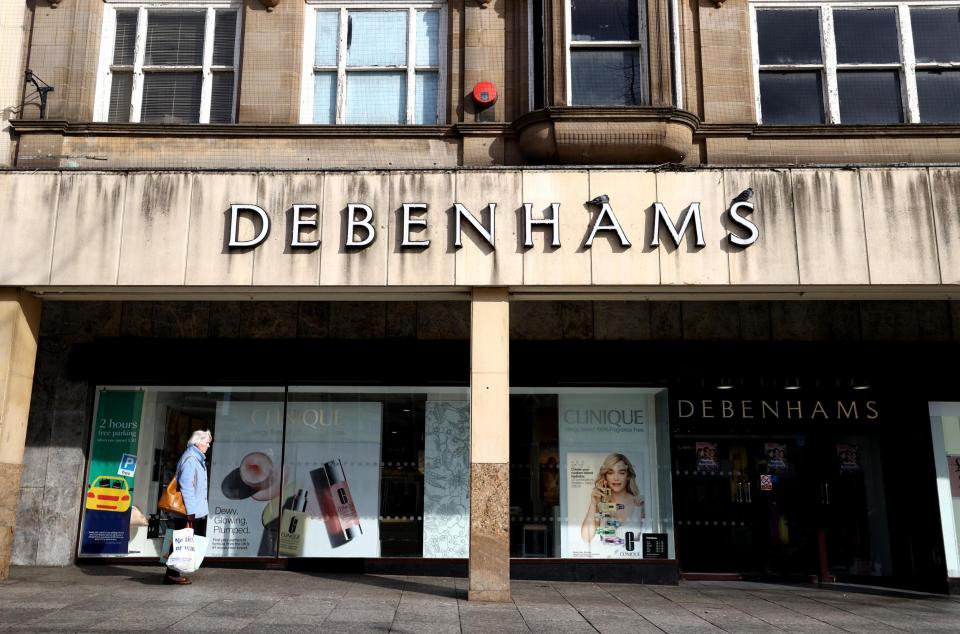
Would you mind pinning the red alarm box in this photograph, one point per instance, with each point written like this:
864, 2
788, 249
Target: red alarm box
484, 94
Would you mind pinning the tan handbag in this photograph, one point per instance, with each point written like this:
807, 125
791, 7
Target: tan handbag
172, 500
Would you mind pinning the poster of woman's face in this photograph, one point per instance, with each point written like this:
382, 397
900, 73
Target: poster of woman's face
607, 504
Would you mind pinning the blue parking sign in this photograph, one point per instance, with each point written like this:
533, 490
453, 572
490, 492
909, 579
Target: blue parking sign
128, 465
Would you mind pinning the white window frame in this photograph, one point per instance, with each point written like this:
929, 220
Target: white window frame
640, 44
410, 65
101, 109
909, 101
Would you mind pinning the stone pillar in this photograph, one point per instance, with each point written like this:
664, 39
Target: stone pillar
13, 25
19, 329
489, 445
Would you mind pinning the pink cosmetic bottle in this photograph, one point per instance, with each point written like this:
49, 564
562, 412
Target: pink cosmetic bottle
340, 513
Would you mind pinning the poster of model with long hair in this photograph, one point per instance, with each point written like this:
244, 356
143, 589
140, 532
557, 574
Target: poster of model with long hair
605, 475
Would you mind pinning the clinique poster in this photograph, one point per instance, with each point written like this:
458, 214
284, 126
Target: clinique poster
332, 503
246, 483
605, 475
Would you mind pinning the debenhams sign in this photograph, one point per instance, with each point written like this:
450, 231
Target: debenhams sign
361, 232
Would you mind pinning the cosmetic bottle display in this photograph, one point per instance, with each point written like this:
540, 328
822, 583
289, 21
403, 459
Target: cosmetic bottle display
336, 503
293, 526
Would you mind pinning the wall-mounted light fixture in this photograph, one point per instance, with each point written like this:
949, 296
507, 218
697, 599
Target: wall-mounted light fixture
725, 383
791, 384
859, 383
43, 90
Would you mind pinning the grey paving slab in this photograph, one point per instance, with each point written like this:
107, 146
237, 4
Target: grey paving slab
86, 599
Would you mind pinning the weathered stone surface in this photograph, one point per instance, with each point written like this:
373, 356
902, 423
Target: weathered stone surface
402, 320
945, 189
137, 319
535, 320
86, 249
477, 263
621, 320
443, 320
543, 264
898, 219
210, 262
421, 266
772, 259
815, 321
156, 219
831, 243
754, 320
27, 237
687, 263
314, 320
10, 476
631, 195
354, 266
489, 531
714, 321
357, 320
275, 262
178, 319
666, 321
577, 320
270, 320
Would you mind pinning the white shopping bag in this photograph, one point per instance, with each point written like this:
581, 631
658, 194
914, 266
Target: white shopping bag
166, 546
183, 557
200, 543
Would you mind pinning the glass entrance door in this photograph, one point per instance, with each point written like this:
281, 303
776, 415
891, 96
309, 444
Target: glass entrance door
742, 505
853, 539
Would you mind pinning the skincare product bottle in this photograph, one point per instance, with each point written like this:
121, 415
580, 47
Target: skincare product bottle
293, 526
342, 500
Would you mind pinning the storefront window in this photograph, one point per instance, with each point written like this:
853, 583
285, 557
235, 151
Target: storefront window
945, 431
590, 474
293, 472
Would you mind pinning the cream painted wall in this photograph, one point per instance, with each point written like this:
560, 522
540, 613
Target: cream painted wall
866, 228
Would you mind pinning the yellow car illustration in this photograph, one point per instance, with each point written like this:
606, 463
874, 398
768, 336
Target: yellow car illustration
108, 493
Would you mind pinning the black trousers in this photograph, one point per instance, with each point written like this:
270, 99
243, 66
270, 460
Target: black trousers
199, 528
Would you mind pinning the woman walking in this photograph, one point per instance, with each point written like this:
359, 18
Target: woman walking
192, 481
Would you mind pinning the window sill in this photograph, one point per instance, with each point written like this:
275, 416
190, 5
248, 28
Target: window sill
64, 127
828, 130
606, 135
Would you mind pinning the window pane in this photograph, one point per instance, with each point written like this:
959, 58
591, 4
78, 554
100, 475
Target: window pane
325, 97
789, 37
377, 38
939, 94
221, 98
175, 39
125, 37
870, 96
328, 25
936, 34
426, 93
866, 36
121, 87
428, 37
224, 39
595, 20
606, 77
376, 97
791, 98
171, 97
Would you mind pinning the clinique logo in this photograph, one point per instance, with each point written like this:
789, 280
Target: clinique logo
614, 417
795, 410
360, 230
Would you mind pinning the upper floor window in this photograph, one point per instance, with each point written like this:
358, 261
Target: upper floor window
607, 53
168, 62
857, 64
373, 63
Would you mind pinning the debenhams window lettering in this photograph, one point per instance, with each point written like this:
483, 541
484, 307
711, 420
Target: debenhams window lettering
373, 62
168, 62
360, 231
856, 63
295, 472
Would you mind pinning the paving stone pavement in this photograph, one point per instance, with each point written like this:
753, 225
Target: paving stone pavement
130, 598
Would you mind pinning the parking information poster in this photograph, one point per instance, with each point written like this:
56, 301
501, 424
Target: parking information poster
109, 488
605, 488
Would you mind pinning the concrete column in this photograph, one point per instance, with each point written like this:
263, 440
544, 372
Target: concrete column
19, 329
489, 445
13, 16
